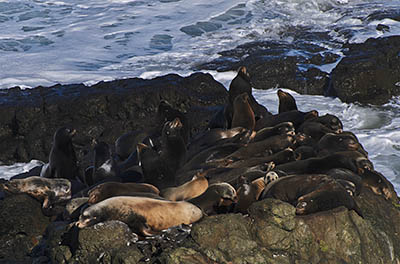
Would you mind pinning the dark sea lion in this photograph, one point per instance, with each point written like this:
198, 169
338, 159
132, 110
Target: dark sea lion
62, 159
218, 136
173, 149
110, 189
352, 160
188, 190
143, 215
330, 121
126, 143
348, 175
243, 115
283, 156
305, 152
152, 166
326, 197
315, 130
295, 116
241, 84
280, 129
286, 102
331, 143
104, 165
166, 113
265, 147
48, 191
378, 184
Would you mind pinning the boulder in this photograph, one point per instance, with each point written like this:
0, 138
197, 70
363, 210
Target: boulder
369, 73
104, 111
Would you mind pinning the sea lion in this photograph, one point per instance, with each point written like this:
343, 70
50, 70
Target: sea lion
326, 197
173, 149
315, 130
104, 165
73, 208
283, 156
378, 184
153, 168
348, 175
352, 160
110, 189
148, 216
188, 190
47, 191
145, 216
243, 115
330, 121
218, 136
126, 143
250, 193
280, 129
295, 116
62, 159
166, 113
331, 143
286, 102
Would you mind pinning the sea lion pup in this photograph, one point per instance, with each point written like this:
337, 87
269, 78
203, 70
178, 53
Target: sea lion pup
286, 102
241, 84
217, 136
148, 216
243, 115
188, 190
331, 143
352, 160
284, 128
326, 197
126, 143
295, 116
62, 159
265, 147
167, 113
249, 193
47, 191
110, 189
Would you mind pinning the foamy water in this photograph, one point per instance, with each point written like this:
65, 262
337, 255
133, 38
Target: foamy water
45, 42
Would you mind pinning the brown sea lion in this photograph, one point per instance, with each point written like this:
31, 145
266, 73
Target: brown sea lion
280, 129
331, 143
286, 102
295, 116
243, 115
110, 189
188, 190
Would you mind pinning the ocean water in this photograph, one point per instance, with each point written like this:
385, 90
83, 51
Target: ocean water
45, 42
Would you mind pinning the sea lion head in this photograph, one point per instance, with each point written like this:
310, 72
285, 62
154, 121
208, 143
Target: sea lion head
90, 216
226, 193
63, 135
377, 183
172, 128
270, 177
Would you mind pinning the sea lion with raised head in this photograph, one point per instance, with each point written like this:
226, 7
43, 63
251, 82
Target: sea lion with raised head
286, 102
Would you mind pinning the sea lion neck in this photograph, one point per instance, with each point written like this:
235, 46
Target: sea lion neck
206, 201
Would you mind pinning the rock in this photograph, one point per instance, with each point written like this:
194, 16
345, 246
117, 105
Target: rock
270, 66
29, 118
21, 229
369, 73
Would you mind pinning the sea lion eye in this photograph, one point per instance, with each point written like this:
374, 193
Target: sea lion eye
167, 132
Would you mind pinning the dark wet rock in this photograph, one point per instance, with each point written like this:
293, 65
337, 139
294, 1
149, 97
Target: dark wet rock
271, 65
370, 72
105, 111
22, 225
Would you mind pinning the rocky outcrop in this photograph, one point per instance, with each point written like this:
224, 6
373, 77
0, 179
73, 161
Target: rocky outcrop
369, 72
270, 233
22, 226
29, 118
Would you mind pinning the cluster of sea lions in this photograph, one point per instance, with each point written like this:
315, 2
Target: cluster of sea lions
153, 181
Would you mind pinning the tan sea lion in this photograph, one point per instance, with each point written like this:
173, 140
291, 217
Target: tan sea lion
188, 190
110, 189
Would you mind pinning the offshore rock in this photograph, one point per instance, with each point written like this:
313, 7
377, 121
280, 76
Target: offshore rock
22, 225
369, 73
104, 111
